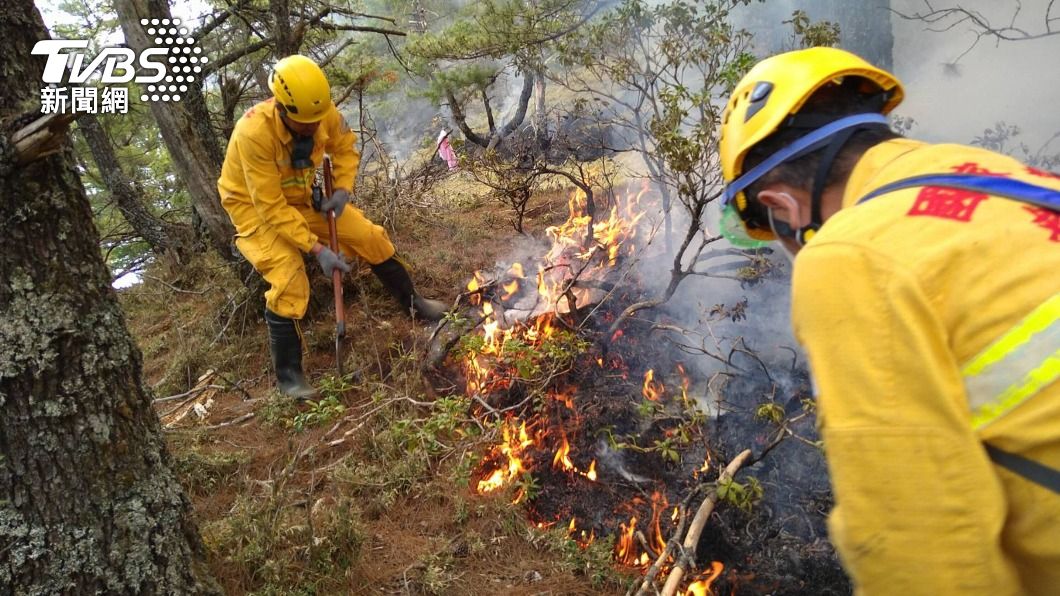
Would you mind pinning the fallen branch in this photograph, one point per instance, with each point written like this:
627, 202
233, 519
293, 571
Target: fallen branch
239, 420
671, 544
193, 392
175, 288
695, 530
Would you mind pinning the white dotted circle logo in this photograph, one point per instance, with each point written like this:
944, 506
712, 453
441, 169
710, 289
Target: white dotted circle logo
168, 34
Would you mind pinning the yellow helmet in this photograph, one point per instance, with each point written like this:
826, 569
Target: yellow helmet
774, 90
301, 87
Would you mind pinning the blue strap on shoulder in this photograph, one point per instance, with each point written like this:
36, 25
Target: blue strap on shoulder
1009, 188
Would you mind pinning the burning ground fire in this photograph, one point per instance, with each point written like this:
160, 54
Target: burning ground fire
522, 318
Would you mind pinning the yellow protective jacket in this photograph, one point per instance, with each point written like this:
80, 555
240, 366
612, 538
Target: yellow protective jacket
259, 187
891, 299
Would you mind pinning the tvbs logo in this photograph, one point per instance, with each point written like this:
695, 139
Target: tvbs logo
163, 71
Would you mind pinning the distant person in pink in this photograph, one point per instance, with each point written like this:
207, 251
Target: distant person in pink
445, 150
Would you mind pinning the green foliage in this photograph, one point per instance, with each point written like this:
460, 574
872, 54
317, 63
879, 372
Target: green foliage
447, 420
438, 574
770, 411
496, 29
278, 410
317, 413
743, 496
478, 41
529, 487
593, 561
332, 386
281, 411
527, 363
673, 65
476, 77
648, 409
456, 319
666, 450
808, 34
398, 458
137, 143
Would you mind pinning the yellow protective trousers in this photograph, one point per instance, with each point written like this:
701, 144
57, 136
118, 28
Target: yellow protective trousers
281, 263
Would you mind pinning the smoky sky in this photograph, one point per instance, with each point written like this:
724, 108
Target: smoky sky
952, 97
955, 98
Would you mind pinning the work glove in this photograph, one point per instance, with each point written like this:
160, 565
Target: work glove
329, 261
338, 202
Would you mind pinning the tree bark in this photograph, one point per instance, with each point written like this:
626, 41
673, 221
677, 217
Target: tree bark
88, 501
540, 120
162, 236
187, 133
283, 42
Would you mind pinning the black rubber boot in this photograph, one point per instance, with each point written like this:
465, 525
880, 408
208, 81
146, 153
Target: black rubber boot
286, 348
396, 279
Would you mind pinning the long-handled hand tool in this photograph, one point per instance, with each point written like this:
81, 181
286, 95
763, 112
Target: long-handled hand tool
336, 274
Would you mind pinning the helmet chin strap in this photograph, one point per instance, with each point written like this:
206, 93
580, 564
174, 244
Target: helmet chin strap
828, 156
782, 230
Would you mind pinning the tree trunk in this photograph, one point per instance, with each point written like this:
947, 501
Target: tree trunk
283, 42
540, 121
162, 236
520, 110
88, 501
186, 131
496, 136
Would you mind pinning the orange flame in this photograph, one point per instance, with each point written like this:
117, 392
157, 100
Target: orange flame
562, 457
658, 505
587, 246
512, 447
701, 587
473, 287
581, 537
684, 381
510, 289
653, 389
624, 547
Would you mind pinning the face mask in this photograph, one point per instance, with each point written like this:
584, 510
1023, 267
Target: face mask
302, 152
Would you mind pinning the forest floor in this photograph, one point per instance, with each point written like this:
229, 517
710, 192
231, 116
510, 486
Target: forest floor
366, 492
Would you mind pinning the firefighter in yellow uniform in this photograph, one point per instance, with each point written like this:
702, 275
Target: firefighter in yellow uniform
266, 188
930, 312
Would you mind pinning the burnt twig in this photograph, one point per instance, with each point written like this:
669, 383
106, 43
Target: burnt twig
671, 544
695, 530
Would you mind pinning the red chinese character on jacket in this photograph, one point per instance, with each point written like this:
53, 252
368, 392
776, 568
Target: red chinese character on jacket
1048, 219
952, 203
